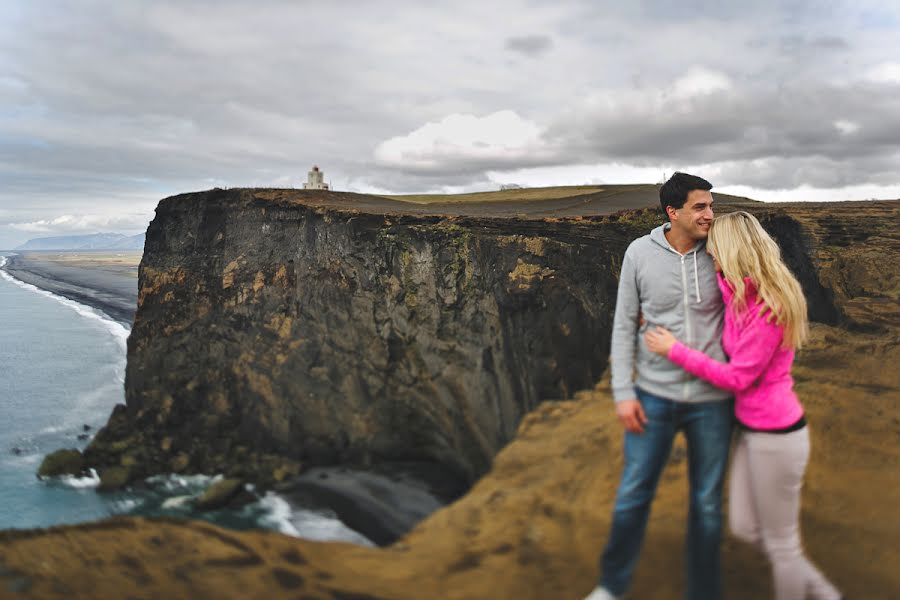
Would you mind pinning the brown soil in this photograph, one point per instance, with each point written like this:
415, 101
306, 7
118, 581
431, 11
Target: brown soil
533, 527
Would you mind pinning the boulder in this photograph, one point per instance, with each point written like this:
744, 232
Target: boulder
114, 478
61, 462
219, 494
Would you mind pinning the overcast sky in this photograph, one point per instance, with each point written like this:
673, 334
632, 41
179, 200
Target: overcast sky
108, 106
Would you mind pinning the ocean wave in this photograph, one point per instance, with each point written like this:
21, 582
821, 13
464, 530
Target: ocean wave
126, 505
183, 483
91, 480
278, 514
119, 331
177, 502
52, 429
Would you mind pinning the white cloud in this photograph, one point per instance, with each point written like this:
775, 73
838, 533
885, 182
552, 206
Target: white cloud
846, 127
807, 193
888, 72
700, 81
499, 138
64, 224
580, 174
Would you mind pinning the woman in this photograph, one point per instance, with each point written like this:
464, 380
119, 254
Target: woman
765, 322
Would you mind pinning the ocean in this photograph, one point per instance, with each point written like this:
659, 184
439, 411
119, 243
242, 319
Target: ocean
62, 369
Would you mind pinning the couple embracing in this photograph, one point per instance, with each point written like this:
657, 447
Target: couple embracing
712, 313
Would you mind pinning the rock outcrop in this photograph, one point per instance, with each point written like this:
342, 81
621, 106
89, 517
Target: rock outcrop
532, 527
274, 333
278, 330
61, 462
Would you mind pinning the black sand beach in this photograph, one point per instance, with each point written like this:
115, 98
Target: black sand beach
103, 279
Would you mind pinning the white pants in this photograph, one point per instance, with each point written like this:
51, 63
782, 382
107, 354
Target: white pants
764, 509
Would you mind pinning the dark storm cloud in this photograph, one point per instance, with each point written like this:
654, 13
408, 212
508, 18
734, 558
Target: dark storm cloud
828, 128
822, 135
529, 45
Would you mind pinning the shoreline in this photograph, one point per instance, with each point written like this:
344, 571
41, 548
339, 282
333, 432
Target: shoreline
110, 290
356, 497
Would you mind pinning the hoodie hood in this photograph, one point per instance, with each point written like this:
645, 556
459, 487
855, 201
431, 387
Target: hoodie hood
658, 236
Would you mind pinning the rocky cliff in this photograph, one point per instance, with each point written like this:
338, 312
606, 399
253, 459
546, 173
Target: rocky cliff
532, 527
280, 329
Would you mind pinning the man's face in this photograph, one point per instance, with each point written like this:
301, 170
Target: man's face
695, 217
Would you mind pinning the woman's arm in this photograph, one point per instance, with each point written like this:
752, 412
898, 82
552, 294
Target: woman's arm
751, 354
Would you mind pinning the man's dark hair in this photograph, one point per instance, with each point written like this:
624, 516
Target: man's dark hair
675, 191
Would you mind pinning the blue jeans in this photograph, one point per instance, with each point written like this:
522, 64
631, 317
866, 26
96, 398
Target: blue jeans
707, 429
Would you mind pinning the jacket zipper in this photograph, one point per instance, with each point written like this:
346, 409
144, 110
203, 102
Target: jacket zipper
687, 325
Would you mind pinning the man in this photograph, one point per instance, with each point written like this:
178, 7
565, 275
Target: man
668, 279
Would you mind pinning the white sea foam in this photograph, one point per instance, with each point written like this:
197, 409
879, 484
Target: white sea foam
277, 515
281, 516
183, 483
126, 506
117, 330
177, 502
91, 480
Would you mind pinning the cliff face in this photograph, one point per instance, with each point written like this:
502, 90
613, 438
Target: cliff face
533, 526
273, 333
279, 329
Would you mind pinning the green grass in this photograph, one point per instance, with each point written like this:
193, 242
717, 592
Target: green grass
548, 193
544, 193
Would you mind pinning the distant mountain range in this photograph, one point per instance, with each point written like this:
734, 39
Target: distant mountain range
94, 241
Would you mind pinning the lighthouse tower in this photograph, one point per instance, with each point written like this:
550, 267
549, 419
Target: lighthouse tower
315, 180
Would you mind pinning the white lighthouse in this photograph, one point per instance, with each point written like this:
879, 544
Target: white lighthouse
315, 180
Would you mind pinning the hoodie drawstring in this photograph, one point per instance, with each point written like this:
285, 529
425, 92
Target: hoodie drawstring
696, 278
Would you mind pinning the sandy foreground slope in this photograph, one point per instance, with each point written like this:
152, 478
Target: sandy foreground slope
533, 527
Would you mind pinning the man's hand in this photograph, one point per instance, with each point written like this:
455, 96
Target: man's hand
631, 414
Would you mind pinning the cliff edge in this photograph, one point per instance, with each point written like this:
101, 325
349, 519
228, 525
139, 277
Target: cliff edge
533, 525
279, 329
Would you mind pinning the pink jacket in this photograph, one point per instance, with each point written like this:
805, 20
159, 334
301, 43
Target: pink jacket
759, 369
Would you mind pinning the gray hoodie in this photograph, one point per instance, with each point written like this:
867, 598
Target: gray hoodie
678, 292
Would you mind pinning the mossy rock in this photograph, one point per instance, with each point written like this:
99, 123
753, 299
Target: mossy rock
128, 461
219, 494
286, 470
114, 478
61, 462
180, 463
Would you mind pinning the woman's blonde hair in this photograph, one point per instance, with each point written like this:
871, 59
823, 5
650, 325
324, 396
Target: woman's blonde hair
744, 249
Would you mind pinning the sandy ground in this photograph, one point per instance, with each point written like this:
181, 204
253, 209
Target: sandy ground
104, 280
533, 527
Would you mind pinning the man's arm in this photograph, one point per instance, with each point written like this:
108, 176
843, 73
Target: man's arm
624, 338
